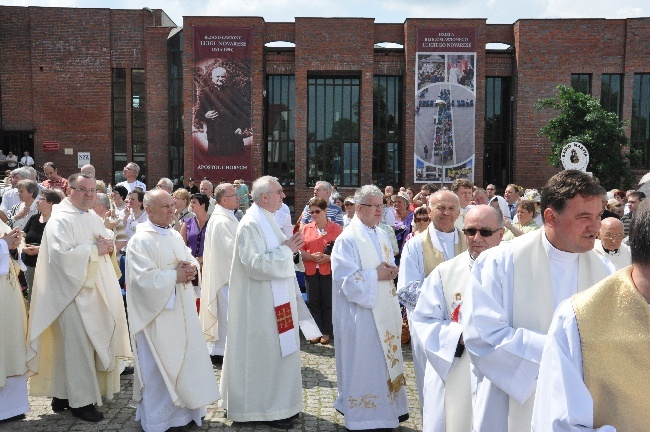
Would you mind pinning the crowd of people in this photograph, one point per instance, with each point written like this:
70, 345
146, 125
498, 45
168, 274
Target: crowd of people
516, 305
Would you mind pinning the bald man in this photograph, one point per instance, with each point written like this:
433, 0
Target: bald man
440, 242
610, 243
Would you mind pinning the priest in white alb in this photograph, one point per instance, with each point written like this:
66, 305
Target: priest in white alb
436, 323
261, 379
441, 241
595, 373
514, 289
78, 328
610, 243
217, 258
13, 331
367, 321
173, 379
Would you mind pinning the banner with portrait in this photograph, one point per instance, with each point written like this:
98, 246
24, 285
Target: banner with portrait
222, 133
445, 105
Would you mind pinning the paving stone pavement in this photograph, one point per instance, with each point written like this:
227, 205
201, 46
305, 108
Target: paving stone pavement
319, 393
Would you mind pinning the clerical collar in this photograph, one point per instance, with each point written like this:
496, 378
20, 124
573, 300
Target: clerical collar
556, 254
160, 229
447, 235
611, 252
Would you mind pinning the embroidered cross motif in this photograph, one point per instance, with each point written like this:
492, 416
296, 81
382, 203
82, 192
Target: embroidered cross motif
283, 317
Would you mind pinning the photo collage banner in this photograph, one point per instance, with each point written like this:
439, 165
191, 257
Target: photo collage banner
445, 105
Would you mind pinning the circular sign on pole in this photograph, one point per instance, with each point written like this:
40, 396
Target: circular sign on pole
575, 156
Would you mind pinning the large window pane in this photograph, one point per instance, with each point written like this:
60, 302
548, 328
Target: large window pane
640, 137
138, 120
611, 93
581, 83
497, 147
333, 131
387, 133
280, 121
118, 95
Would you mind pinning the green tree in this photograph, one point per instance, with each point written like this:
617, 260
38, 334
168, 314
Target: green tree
582, 119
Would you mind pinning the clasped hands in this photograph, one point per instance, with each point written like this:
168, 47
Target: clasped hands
104, 245
13, 238
386, 271
185, 272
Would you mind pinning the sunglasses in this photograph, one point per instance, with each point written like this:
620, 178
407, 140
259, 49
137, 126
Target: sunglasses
421, 220
314, 211
484, 232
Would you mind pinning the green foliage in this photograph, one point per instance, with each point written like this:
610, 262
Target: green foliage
582, 119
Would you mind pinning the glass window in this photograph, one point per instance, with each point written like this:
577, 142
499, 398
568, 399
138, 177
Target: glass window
581, 83
118, 90
387, 130
640, 137
333, 131
611, 93
280, 129
138, 119
497, 143
175, 107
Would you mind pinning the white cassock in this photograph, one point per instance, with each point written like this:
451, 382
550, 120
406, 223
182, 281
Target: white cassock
506, 356
411, 274
217, 261
562, 400
621, 258
284, 222
174, 380
437, 326
364, 397
258, 383
77, 322
13, 333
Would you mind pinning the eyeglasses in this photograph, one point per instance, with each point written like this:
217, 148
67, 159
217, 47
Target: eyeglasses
421, 220
484, 232
314, 211
84, 190
613, 236
375, 206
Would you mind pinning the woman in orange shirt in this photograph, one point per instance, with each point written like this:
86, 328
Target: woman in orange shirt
319, 239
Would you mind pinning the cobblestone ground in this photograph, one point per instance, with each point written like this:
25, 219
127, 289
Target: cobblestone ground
319, 391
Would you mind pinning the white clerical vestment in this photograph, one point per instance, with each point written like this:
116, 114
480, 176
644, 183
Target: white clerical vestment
217, 261
13, 333
436, 322
76, 300
170, 354
621, 258
257, 382
505, 355
364, 397
411, 274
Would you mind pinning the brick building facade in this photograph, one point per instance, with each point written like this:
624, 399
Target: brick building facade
116, 83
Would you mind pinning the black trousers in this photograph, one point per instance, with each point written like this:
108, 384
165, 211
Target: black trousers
319, 300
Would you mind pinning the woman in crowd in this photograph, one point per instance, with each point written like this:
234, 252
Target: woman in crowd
525, 222
420, 222
181, 207
26, 208
118, 194
34, 232
348, 207
614, 205
134, 214
193, 232
320, 235
403, 219
338, 200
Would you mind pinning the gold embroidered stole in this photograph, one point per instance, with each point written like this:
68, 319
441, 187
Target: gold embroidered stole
432, 256
614, 324
532, 304
386, 312
454, 275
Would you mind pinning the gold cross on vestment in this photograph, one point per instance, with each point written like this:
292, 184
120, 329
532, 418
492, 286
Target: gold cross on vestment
284, 318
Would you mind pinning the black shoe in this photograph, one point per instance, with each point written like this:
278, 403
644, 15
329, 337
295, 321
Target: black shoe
127, 371
279, 424
59, 405
88, 413
403, 417
216, 360
14, 418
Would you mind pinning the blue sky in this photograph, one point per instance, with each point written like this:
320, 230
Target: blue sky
391, 11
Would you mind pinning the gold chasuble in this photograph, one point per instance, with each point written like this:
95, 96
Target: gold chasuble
614, 324
432, 257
